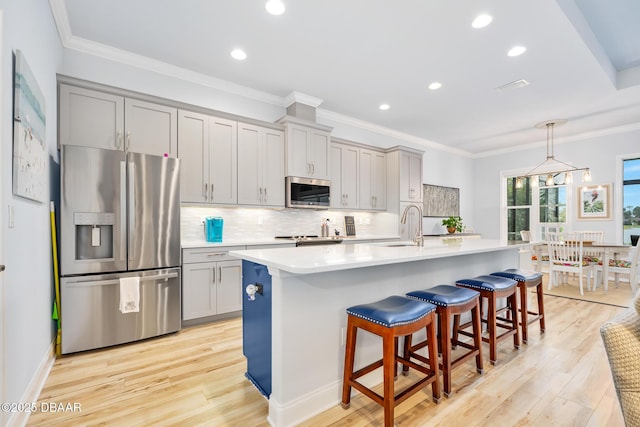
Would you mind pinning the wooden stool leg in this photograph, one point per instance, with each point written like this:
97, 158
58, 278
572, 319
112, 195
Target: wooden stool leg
389, 362
513, 301
406, 353
524, 310
444, 323
349, 356
491, 326
456, 327
539, 293
477, 336
433, 359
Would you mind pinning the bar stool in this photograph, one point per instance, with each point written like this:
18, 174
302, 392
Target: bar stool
450, 301
492, 288
390, 318
527, 279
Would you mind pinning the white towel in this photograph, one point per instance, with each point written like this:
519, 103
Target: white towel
129, 294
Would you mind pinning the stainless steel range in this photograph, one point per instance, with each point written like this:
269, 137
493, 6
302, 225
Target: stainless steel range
312, 240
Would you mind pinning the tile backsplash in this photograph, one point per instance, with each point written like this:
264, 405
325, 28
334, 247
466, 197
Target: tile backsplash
244, 223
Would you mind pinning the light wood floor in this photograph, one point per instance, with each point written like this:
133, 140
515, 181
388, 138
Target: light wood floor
196, 377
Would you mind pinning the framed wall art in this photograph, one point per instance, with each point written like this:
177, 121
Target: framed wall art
594, 202
440, 201
29, 146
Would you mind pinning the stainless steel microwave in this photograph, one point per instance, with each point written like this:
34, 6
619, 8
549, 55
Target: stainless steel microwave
307, 193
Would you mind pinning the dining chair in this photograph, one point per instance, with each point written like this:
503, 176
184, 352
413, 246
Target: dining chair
623, 266
566, 256
592, 256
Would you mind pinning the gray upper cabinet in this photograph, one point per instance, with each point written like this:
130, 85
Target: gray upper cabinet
410, 177
307, 148
150, 128
373, 180
91, 118
260, 166
344, 176
208, 151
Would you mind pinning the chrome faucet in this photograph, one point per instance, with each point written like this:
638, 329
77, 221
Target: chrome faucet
419, 239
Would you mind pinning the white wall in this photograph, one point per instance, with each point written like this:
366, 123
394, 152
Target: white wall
600, 153
28, 334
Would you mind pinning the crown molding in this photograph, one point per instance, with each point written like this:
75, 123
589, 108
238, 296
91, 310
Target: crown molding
302, 98
368, 126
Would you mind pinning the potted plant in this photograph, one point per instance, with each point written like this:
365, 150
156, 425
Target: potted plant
453, 224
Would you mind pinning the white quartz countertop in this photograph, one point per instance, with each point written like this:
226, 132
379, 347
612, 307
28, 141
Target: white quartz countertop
270, 241
325, 258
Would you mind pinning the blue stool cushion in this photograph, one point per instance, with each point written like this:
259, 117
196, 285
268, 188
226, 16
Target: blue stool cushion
392, 311
444, 295
488, 283
519, 275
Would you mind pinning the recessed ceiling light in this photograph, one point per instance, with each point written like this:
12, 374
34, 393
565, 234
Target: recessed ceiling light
384, 106
435, 85
238, 54
481, 21
517, 51
275, 7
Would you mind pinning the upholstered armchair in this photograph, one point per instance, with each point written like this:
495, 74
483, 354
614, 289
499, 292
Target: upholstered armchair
621, 336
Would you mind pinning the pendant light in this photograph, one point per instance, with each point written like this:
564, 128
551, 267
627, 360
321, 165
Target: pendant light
551, 166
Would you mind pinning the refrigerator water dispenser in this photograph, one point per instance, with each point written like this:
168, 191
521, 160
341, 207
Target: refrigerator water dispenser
94, 235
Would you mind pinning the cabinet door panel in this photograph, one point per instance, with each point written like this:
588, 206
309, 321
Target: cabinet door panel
350, 176
91, 119
366, 173
198, 290
379, 180
337, 195
318, 154
297, 162
194, 156
151, 128
249, 165
223, 157
273, 168
229, 286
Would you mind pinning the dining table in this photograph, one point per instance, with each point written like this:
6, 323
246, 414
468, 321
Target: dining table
609, 251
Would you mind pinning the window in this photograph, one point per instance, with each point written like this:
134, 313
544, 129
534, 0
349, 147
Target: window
631, 198
518, 208
525, 212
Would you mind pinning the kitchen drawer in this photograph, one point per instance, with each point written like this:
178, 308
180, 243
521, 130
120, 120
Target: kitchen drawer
209, 254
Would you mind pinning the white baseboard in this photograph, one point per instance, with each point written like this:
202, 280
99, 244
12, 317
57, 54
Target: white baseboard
31, 394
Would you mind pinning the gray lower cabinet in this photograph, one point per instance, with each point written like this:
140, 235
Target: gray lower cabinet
211, 283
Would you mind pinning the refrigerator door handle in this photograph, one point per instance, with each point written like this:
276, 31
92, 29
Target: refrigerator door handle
123, 211
86, 283
132, 208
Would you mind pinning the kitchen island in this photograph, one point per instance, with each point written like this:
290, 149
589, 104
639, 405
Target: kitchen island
309, 290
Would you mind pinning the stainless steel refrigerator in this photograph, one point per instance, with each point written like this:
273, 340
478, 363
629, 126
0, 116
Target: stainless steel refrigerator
119, 218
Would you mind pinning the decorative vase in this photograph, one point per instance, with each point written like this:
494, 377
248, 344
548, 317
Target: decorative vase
451, 230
